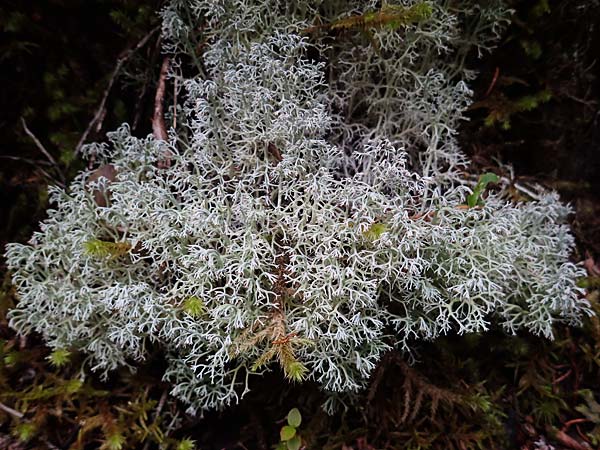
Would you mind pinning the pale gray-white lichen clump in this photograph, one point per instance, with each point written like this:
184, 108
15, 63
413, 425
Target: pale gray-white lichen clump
312, 215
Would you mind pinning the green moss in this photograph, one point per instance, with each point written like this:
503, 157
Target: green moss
194, 306
25, 431
375, 231
59, 357
114, 441
186, 444
106, 249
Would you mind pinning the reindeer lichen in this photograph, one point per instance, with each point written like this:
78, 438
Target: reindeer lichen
311, 215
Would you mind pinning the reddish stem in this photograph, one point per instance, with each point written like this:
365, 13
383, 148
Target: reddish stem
493, 83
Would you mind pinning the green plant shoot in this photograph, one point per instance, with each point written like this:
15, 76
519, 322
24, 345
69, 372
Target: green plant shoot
475, 198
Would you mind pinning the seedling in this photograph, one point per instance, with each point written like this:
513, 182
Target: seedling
475, 198
290, 439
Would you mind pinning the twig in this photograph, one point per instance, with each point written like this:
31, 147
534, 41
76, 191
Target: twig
581, 435
574, 422
161, 404
175, 103
138, 107
493, 83
100, 112
50, 445
33, 162
45, 152
38, 144
563, 377
159, 128
567, 440
526, 191
159, 407
12, 412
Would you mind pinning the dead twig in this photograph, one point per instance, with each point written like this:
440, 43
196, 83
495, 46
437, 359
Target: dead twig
33, 162
563, 377
175, 103
38, 144
568, 423
50, 446
567, 440
159, 128
159, 407
493, 83
138, 106
581, 435
12, 412
101, 111
37, 164
45, 152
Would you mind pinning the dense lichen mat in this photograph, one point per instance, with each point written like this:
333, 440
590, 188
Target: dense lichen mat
308, 210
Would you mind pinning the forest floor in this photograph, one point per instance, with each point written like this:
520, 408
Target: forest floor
537, 108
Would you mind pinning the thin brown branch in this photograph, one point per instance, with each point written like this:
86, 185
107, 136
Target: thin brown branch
581, 435
101, 111
159, 128
38, 144
148, 77
493, 83
569, 423
567, 440
175, 103
562, 377
161, 404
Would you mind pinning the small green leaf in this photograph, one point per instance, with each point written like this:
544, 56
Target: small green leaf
487, 178
474, 199
294, 443
194, 306
294, 418
286, 433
